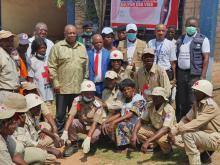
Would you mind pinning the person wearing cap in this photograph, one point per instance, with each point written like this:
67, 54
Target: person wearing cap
98, 63
29, 129
108, 37
23, 46
68, 66
46, 108
121, 34
151, 75
90, 115
133, 47
120, 125
9, 77
155, 123
116, 64
87, 35
111, 95
40, 31
201, 126
7, 142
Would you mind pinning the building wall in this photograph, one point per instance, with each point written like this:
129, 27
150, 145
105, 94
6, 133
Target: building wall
22, 15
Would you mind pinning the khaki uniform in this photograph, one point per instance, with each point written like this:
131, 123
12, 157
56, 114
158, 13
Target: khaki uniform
114, 99
9, 78
202, 132
86, 114
68, 66
157, 77
124, 74
164, 117
140, 45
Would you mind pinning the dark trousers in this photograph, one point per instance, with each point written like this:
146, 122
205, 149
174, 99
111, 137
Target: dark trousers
184, 96
63, 101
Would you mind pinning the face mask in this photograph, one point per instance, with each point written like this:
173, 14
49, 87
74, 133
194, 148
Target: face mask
190, 30
40, 56
86, 99
88, 33
131, 36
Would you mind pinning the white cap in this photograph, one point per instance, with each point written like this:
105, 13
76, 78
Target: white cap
131, 26
107, 30
116, 55
111, 74
159, 91
204, 86
87, 86
33, 100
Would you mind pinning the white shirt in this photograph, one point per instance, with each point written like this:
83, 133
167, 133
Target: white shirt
29, 55
184, 55
98, 78
165, 52
41, 78
130, 50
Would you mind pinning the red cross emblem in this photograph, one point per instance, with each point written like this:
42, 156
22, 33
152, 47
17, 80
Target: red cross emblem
45, 74
196, 83
115, 55
89, 85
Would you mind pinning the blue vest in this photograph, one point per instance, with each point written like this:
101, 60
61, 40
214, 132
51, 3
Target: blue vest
196, 57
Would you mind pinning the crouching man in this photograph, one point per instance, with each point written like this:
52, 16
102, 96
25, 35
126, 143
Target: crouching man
90, 115
201, 126
155, 123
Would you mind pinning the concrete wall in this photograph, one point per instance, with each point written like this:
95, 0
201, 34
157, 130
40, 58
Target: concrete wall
22, 15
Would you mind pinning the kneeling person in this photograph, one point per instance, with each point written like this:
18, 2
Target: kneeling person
155, 123
90, 115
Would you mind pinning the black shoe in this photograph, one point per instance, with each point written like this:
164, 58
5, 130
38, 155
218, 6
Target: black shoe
206, 157
70, 150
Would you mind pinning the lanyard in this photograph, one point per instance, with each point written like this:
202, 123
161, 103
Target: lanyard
158, 51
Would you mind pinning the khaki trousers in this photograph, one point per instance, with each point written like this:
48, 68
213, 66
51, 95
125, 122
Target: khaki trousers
146, 132
196, 142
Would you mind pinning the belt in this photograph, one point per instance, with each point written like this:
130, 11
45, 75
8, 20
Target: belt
184, 70
10, 90
98, 83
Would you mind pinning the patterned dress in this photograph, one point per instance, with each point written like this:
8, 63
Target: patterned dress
124, 128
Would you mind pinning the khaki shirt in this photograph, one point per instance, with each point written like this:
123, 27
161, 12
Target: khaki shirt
9, 77
44, 109
164, 117
88, 113
68, 66
114, 99
6, 147
123, 74
140, 46
205, 117
30, 127
157, 77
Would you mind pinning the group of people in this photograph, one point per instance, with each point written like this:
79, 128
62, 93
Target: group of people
138, 95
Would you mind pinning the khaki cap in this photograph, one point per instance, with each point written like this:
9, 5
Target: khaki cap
159, 91
16, 101
7, 34
6, 112
111, 74
28, 86
33, 100
148, 51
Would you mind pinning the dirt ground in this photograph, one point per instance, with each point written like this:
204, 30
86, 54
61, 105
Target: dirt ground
105, 156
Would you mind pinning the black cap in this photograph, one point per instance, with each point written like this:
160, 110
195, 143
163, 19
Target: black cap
87, 24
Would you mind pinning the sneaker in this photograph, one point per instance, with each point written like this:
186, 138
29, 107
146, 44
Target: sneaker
70, 149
